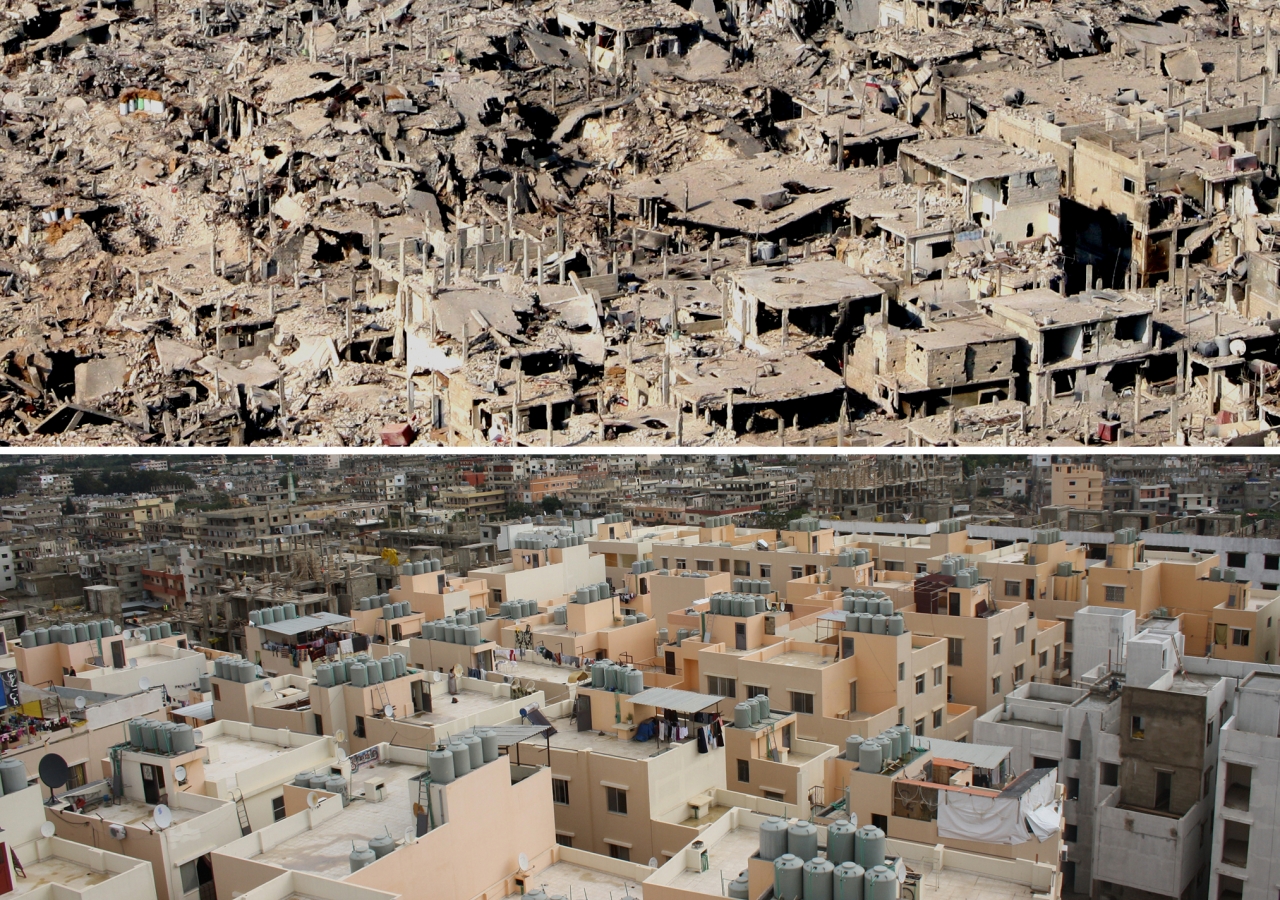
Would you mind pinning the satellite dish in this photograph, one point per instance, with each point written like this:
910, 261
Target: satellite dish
313, 800
653, 862
523, 862
133, 664
410, 836
389, 711
47, 829
339, 735
53, 772
197, 735
457, 671
80, 702
342, 754
180, 773
163, 816
144, 683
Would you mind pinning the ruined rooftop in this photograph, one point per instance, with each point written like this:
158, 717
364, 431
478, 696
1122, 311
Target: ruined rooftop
557, 224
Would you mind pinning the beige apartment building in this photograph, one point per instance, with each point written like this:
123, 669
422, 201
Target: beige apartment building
912, 555
852, 683
84, 747
1045, 574
122, 524
175, 841
991, 645
52, 866
1221, 616
1076, 485
544, 573
468, 503
440, 838
621, 798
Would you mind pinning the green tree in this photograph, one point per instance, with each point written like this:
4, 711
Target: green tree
779, 520
552, 504
218, 500
520, 510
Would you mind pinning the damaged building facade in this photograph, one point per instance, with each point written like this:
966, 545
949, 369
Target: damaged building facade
638, 223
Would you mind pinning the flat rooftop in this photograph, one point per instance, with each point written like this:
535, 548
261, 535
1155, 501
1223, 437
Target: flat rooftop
951, 884
444, 710
543, 672
975, 159
804, 284
1029, 307
55, 870
134, 812
567, 737
726, 857
324, 850
150, 659
569, 880
1186, 683
801, 659
1263, 682
229, 755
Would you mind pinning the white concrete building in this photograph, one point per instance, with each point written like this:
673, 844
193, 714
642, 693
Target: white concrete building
8, 574
1076, 731
1098, 638
1245, 858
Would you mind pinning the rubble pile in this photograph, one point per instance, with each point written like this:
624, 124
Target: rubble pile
650, 222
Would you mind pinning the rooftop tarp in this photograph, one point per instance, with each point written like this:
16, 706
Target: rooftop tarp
978, 755
676, 701
306, 623
1001, 819
202, 711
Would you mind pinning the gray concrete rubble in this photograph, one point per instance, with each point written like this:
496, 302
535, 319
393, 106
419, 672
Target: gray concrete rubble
639, 222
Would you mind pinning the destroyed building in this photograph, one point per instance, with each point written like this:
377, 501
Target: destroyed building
673, 222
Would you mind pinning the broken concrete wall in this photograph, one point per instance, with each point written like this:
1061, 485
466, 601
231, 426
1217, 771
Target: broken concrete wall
1262, 292
954, 367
